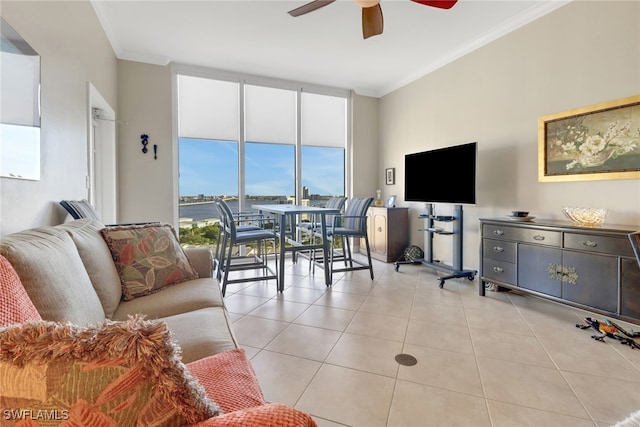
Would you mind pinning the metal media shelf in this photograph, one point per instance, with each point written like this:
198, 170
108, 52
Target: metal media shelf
441, 218
437, 230
455, 270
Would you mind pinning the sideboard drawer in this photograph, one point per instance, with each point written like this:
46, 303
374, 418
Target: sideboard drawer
499, 232
499, 270
539, 237
525, 235
499, 250
601, 244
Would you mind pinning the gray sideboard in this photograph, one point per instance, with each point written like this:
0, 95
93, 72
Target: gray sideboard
588, 267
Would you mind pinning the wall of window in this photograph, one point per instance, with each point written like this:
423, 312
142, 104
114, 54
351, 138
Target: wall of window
256, 141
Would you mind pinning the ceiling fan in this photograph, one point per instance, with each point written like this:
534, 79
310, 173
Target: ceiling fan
372, 22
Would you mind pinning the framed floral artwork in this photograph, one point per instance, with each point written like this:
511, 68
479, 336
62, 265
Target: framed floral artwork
597, 142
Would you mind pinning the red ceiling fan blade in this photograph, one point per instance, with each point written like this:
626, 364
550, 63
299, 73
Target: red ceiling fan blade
310, 7
372, 22
441, 4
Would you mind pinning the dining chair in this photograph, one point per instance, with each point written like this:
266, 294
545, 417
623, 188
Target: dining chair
232, 238
80, 209
310, 229
635, 244
336, 202
244, 222
350, 225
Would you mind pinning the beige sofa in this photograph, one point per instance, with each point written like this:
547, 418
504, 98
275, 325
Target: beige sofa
69, 274
123, 326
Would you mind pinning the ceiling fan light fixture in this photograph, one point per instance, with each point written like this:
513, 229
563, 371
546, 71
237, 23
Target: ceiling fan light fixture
366, 3
372, 20
441, 4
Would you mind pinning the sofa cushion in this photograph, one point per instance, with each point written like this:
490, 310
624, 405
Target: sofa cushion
175, 299
201, 333
229, 379
52, 273
201, 259
97, 260
114, 373
148, 258
15, 305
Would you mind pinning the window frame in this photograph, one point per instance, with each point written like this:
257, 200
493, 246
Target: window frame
248, 79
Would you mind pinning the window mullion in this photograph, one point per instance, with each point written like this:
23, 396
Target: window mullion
298, 148
241, 150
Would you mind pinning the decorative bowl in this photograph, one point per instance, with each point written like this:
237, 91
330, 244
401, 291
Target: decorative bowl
589, 217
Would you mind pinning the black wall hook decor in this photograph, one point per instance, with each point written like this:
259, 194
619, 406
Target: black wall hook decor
155, 151
145, 140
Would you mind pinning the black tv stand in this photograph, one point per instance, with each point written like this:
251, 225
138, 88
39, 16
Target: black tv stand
455, 270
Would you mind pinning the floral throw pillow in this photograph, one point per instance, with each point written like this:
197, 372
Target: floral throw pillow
148, 258
109, 374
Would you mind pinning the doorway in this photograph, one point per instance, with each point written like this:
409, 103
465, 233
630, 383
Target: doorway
101, 157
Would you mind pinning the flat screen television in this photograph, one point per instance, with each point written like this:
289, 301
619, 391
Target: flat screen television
443, 175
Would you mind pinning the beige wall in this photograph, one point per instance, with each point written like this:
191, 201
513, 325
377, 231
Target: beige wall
147, 188
364, 149
146, 185
73, 50
581, 54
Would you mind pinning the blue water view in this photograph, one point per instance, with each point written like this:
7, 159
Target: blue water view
210, 166
203, 211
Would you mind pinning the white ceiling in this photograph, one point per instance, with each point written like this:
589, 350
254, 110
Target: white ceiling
324, 47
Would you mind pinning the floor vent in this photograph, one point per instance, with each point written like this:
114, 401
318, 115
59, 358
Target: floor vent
406, 359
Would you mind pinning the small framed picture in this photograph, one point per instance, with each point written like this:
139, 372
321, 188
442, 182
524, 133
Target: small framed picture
391, 176
391, 201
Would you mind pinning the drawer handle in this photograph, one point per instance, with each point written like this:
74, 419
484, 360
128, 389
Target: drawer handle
498, 249
498, 232
590, 243
538, 237
498, 269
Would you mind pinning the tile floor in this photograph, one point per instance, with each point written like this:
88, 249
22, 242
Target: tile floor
502, 360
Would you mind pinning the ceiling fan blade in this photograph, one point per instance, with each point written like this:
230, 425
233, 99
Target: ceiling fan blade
441, 4
372, 22
310, 7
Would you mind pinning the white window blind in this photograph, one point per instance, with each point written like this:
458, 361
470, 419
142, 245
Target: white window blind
270, 115
323, 120
208, 109
20, 82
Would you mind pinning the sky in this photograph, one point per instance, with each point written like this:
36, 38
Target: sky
211, 168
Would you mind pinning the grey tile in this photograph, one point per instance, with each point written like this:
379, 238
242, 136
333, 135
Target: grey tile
257, 332
530, 386
348, 396
501, 360
366, 354
421, 405
443, 369
305, 341
283, 378
325, 317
